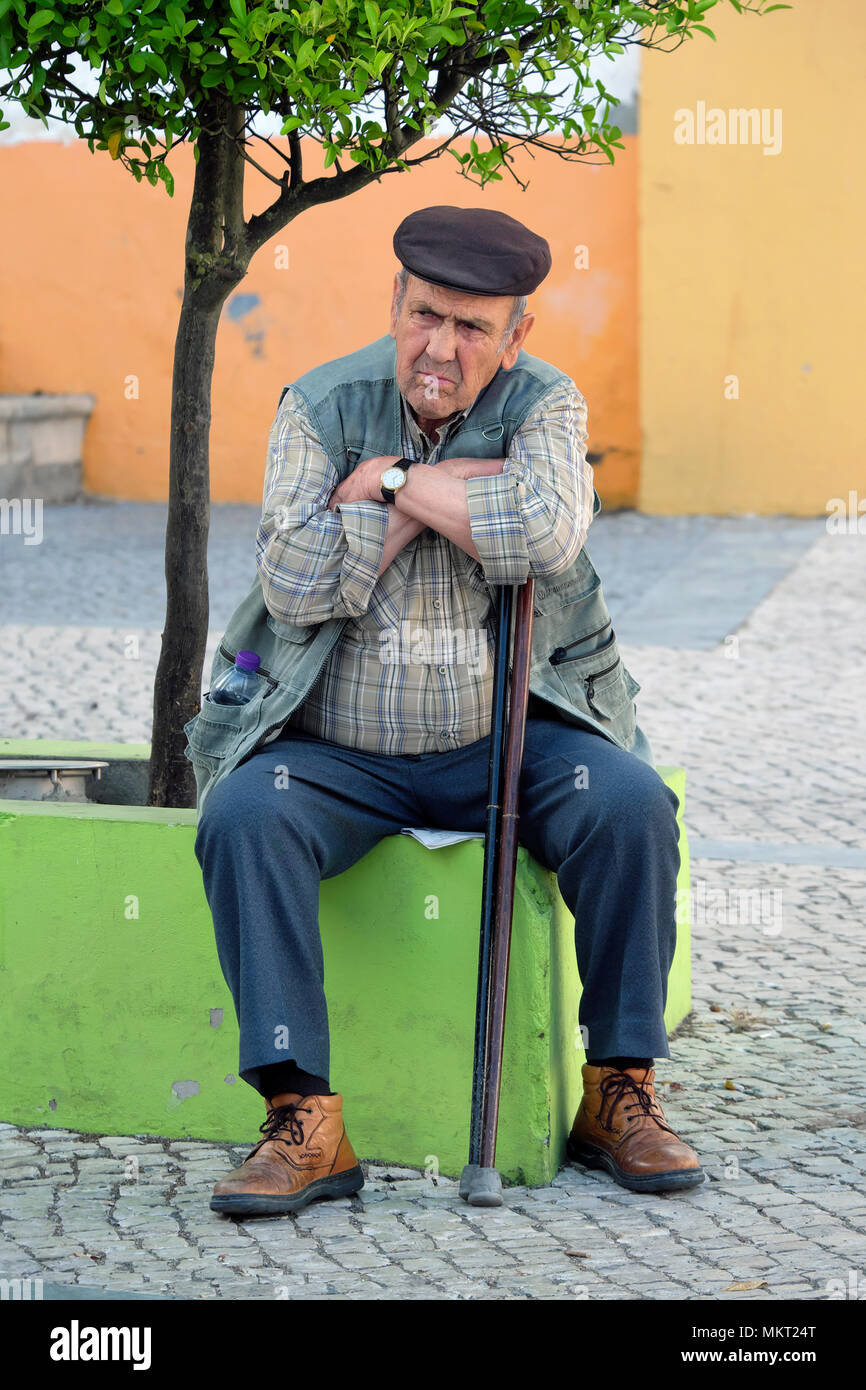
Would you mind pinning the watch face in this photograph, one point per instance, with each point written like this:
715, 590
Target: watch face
393, 477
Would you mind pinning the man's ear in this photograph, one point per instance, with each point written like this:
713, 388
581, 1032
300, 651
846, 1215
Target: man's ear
393, 329
515, 342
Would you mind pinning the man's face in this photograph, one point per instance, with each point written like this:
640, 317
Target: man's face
448, 345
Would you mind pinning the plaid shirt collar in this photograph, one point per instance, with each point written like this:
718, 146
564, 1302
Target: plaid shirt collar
424, 442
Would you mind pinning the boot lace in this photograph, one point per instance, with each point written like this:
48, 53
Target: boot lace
615, 1087
280, 1118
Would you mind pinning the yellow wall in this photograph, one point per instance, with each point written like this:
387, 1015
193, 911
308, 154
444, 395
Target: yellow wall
91, 279
753, 265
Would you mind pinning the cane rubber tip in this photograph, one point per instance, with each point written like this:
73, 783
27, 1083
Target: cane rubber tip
480, 1187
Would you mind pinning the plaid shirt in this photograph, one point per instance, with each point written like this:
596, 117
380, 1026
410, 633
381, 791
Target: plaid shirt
411, 671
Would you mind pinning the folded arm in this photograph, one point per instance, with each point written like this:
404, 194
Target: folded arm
314, 562
534, 517
527, 513
322, 544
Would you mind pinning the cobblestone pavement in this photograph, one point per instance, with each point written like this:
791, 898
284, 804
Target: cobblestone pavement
766, 1076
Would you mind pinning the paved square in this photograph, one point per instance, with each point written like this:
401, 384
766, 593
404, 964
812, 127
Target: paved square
766, 1079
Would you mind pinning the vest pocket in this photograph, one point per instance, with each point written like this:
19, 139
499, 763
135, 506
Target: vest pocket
599, 682
291, 632
217, 729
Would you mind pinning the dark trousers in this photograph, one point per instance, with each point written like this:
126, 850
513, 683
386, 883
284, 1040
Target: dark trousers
601, 818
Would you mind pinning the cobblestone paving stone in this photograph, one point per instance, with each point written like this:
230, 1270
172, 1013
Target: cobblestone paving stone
765, 1078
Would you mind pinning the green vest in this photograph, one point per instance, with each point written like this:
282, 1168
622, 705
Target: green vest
355, 406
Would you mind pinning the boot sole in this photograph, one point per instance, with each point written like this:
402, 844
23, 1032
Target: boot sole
266, 1204
591, 1157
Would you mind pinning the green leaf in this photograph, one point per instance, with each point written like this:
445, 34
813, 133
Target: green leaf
138, 62
704, 30
239, 9
39, 21
114, 6
372, 13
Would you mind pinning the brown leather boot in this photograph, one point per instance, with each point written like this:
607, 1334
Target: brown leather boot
620, 1127
305, 1154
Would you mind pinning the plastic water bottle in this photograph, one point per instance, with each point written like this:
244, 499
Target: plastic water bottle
239, 684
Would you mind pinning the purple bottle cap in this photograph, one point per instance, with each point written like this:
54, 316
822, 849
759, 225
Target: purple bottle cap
247, 661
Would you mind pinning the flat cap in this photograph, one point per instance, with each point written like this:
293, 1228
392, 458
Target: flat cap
476, 250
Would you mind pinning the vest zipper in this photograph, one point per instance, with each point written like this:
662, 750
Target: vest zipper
558, 654
589, 682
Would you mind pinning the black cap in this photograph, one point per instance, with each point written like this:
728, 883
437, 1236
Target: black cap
476, 250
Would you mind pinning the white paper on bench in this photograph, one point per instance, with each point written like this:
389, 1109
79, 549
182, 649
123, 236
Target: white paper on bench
437, 839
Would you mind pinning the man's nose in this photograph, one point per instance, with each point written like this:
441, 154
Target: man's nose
442, 343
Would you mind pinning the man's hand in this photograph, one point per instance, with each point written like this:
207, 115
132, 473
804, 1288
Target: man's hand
364, 483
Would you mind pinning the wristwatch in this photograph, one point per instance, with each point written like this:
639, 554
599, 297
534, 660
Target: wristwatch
394, 478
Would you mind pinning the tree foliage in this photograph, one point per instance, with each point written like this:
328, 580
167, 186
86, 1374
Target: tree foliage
365, 79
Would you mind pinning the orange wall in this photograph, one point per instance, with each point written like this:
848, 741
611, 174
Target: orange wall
92, 276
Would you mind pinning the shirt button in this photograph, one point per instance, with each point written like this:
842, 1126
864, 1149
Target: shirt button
442, 670
437, 603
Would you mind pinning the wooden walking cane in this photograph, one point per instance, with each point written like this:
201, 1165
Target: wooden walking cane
480, 1183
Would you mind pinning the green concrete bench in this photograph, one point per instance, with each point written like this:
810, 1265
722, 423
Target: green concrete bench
115, 1018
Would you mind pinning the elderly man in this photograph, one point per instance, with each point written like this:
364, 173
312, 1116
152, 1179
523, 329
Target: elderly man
404, 482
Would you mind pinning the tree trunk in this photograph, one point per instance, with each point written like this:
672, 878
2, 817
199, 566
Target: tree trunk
215, 265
